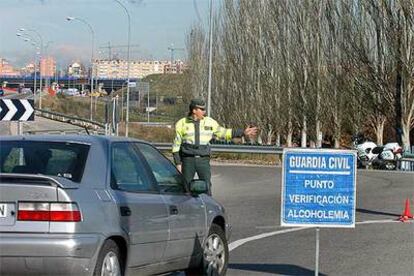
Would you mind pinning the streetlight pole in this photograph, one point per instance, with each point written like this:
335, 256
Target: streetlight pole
40, 59
128, 68
28, 38
148, 106
70, 18
210, 60
35, 74
35, 71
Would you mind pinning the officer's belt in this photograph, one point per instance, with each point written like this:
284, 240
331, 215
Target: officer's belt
196, 147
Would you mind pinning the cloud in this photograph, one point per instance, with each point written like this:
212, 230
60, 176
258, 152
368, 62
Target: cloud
67, 54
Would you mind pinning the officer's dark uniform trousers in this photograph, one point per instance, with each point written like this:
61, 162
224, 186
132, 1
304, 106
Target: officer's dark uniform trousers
199, 164
196, 163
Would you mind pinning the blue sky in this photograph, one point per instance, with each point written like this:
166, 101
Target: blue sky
155, 25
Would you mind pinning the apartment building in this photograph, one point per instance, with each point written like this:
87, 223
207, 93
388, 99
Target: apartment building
47, 66
6, 69
28, 69
138, 69
76, 69
178, 67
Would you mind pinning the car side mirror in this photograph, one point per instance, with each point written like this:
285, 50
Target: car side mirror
198, 187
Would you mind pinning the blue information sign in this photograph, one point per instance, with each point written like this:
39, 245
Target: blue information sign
318, 188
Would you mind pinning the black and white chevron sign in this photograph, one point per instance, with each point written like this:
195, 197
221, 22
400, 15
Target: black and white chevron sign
16, 110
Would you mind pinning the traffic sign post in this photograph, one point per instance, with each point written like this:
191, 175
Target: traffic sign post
132, 84
16, 110
318, 189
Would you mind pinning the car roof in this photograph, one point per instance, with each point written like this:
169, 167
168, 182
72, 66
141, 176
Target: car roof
83, 139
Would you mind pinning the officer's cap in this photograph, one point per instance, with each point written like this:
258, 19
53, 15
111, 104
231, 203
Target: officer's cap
197, 103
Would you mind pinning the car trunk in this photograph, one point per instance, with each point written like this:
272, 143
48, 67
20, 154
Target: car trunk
31, 190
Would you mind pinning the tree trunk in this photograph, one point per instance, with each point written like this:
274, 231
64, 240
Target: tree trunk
270, 134
318, 134
289, 134
379, 130
277, 142
405, 136
304, 131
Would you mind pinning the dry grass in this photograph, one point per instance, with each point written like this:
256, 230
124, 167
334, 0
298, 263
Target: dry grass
149, 133
80, 106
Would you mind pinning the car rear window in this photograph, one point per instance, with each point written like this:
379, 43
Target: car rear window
48, 158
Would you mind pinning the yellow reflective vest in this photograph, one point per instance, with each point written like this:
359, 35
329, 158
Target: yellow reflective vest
192, 138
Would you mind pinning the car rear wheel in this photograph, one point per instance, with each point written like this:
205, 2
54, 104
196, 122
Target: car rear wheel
109, 262
215, 254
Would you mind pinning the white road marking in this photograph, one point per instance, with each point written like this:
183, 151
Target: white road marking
378, 221
240, 242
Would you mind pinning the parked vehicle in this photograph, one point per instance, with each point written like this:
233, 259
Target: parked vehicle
25, 90
378, 157
102, 205
364, 148
388, 156
69, 92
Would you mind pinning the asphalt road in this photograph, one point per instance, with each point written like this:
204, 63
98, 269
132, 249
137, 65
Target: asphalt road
378, 245
41, 125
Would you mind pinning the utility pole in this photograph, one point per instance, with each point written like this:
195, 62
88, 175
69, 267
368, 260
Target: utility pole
128, 65
210, 60
35, 75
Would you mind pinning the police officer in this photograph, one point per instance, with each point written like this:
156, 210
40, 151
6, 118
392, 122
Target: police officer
191, 147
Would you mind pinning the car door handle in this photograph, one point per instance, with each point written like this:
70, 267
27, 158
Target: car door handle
173, 210
125, 211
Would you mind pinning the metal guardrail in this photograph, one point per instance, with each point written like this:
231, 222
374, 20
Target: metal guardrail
405, 164
230, 148
68, 119
156, 124
74, 131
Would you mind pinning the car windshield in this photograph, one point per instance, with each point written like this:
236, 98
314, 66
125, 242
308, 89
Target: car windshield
48, 158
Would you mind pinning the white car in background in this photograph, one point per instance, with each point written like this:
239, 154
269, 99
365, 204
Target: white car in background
70, 92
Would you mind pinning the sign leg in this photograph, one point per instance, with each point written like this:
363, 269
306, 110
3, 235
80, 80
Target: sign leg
19, 128
317, 252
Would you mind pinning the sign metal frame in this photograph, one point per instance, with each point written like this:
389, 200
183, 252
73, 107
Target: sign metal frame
21, 110
347, 175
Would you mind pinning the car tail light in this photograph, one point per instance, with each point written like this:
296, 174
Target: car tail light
64, 212
35, 211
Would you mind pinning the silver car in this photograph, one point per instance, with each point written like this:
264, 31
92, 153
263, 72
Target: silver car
96, 205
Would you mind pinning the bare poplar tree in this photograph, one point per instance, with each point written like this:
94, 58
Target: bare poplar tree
323, 67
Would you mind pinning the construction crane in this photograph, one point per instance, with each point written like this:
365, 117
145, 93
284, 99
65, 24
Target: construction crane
173, 49
110, 47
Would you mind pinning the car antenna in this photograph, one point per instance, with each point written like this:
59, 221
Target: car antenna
86, 129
